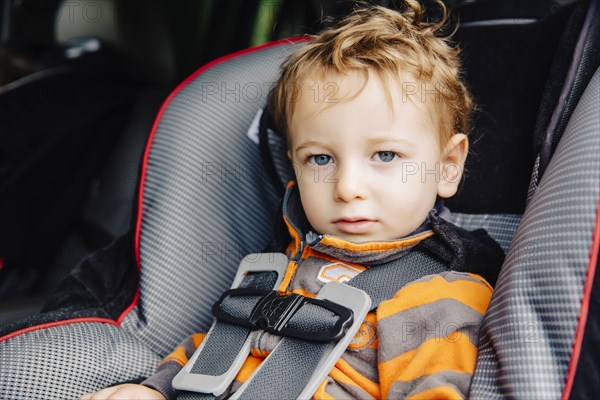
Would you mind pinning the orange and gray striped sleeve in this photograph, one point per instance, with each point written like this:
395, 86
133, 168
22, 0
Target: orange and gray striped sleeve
428, 336
172, 364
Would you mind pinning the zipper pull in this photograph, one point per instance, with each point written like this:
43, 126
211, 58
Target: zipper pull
313, 238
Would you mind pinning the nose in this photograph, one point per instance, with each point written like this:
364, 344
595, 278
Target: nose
349, 184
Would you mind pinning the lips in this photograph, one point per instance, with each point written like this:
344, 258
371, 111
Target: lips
356, 225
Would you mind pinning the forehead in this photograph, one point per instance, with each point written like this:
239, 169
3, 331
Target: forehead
390, 95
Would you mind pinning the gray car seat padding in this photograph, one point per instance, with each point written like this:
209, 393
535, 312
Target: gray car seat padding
205, 198
529, 329
63, 361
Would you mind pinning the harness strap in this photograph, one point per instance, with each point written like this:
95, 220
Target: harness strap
225, 348
227, 340
382, 282
295, 363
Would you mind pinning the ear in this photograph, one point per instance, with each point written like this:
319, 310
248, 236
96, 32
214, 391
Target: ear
454, 155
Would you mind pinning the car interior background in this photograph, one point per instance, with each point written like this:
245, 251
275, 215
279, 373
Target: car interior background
83, 82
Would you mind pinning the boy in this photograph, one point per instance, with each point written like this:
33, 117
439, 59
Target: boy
376, 129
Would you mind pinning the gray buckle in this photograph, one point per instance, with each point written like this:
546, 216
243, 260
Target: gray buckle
273, 311
217, 384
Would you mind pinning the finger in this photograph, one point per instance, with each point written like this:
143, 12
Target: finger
101, 394
136, 392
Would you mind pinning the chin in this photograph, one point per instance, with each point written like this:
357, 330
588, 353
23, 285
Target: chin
360, 238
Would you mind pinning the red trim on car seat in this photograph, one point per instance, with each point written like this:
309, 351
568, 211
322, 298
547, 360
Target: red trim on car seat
57, 323
153, 132
585, 305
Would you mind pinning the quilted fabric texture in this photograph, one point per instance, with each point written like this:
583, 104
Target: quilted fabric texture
529, 329
501, 227
66, 361
207, 201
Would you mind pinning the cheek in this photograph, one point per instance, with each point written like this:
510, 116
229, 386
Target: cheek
410, 184
311, 199
409, 211
411, 196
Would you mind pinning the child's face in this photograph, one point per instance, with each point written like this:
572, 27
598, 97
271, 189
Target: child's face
363, 172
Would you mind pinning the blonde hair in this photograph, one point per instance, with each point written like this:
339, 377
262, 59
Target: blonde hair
390, 43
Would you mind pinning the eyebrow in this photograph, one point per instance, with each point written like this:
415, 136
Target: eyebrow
371, 141
308, 144
387, 139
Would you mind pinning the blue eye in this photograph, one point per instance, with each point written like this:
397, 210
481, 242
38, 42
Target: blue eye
386, 156
320, 159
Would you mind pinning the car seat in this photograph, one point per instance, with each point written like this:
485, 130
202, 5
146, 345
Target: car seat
208, 195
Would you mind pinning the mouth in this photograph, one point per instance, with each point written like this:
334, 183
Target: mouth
357, 225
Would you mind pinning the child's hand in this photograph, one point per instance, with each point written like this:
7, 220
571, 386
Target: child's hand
126, 391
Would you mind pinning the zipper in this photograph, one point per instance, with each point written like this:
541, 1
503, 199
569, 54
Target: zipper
299, 252
311, 239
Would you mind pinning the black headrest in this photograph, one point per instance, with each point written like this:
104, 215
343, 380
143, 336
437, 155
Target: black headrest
136, 29
506, 65
575, 62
